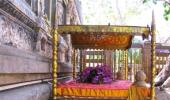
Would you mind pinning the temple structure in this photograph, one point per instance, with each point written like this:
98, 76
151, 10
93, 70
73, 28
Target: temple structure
26, 46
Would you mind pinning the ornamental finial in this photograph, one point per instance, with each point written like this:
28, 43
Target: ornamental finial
153, 26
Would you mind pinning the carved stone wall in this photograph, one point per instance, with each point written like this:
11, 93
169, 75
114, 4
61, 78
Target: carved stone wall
26, 44
15, 35
67, 13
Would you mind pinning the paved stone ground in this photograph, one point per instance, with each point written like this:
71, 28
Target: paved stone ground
163, 95
31, 92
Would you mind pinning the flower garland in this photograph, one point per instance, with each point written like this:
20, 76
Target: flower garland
101, 74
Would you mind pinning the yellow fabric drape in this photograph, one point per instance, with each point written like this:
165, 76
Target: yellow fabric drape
92, 92
138, 93
133, 93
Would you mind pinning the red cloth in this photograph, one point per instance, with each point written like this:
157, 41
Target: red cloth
115, 85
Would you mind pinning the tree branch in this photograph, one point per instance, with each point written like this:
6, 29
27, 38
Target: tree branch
168, 2
119, 12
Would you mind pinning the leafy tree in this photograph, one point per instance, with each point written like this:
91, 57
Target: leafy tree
166, 5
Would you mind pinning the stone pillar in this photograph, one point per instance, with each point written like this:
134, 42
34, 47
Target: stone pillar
41, 8
69, 51
62, 48
35, 6
60, 12
84, 58
41, 41
70, 9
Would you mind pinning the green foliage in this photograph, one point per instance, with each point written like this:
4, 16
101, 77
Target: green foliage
166, 10
145, 1
166, 6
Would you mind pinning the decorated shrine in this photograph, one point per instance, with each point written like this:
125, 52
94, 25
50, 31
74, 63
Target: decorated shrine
84, 49
103, 37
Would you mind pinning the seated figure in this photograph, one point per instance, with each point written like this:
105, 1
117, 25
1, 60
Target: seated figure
140, 79
140, 89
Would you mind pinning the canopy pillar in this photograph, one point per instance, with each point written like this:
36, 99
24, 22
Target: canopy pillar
74, 64
54, 63
115, 66
126, 64
81, 60
153, 40
134, 65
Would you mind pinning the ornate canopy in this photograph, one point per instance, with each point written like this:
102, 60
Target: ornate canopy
102, 36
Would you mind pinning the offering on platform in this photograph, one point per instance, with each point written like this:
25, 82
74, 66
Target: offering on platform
101, 74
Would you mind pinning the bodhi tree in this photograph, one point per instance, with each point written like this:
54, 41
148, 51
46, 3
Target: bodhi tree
166, 5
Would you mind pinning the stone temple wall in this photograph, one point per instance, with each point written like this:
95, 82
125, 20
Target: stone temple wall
26, 48
13, 34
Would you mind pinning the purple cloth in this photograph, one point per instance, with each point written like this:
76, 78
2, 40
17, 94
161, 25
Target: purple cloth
101, 74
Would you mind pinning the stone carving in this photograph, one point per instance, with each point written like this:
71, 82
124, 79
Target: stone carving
47, 23
63, 55
42, 20
41, 8
43, 44
60, 13
18, 26
65, 48
163, 78
69, 51
62, 49
71, 17
41, 41
19, 10
13, 34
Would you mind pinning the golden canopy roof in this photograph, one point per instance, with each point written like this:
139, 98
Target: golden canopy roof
102, 36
